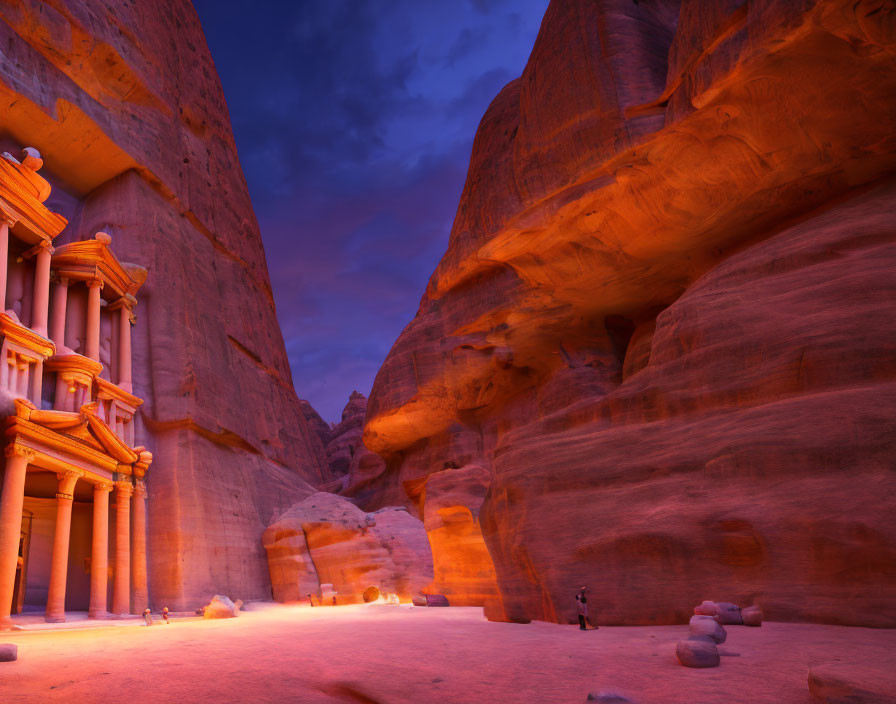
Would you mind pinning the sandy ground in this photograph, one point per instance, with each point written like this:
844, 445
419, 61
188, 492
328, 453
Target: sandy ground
390, 654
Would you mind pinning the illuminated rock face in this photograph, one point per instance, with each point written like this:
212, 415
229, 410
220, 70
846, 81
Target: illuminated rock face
123, 102
326, 540
660, 325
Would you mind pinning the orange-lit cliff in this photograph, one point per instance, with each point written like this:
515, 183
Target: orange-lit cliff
123, 102
658, 356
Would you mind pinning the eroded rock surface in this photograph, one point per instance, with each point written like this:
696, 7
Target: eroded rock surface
123, 102
849, 682
327, 540
660, 324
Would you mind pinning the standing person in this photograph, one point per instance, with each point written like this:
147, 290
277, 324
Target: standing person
583, 609
165, 615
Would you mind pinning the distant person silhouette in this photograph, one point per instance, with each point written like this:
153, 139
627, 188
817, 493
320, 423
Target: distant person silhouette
583, 609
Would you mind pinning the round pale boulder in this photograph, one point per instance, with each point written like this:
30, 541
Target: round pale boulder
8, 652
707, 608
707, 626
729, 614
221, 607
752, 616
697, 652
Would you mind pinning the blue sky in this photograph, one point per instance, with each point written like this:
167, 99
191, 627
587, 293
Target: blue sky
354, 122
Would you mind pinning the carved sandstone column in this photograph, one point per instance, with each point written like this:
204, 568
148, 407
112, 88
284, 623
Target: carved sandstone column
59, 564
99, 558
60, 300
4, 261
121, 584
124, 345
92, 344
138, 549
11, 500
41, 298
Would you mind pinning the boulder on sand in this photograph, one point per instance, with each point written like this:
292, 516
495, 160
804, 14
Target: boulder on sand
608, 696
729, 614
697, 652
707, 626
852, 683
222, 607
436, 600
8, 652
707, 608
752, 616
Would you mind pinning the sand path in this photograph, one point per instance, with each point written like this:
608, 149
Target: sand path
391, 654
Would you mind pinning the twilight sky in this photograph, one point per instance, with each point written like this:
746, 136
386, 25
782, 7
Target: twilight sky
354, 121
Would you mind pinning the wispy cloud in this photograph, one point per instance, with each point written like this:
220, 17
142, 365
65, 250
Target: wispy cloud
354, 121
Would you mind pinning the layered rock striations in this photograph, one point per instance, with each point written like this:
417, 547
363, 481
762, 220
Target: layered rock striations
656, 353
327, 543
124, 104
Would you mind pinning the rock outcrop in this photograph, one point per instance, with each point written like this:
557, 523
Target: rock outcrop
327, 540
856, 681
124, 104
661, 327
345, 439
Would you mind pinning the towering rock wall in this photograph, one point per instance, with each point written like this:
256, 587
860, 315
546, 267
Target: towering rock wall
655, 358
123, 101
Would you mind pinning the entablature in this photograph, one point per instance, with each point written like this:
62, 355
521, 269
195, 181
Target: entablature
22, 196
81, 438
94, 260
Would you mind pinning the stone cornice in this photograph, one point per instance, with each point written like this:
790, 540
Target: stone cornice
93, 260
23, 193
26, 337
16, 450
106, 389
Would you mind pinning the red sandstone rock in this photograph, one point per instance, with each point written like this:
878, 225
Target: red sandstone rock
221, 607
752, 616
327, 540
463, 568
9, 652
707, 608
660, 322
709, 627
697, 653
345, 438
315, 423
123, 102
848, 682
729, 614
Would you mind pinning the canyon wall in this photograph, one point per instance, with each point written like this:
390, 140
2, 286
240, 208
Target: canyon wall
657, 357
123, 102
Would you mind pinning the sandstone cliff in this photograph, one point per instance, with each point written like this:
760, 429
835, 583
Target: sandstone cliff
656, 357
327, 540
123, 101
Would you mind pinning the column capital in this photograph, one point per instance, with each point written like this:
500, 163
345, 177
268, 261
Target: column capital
58, 278
123, 490
140, 490
7, 219
94, 283
45, 244
15, 450
103, 486
67, 481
